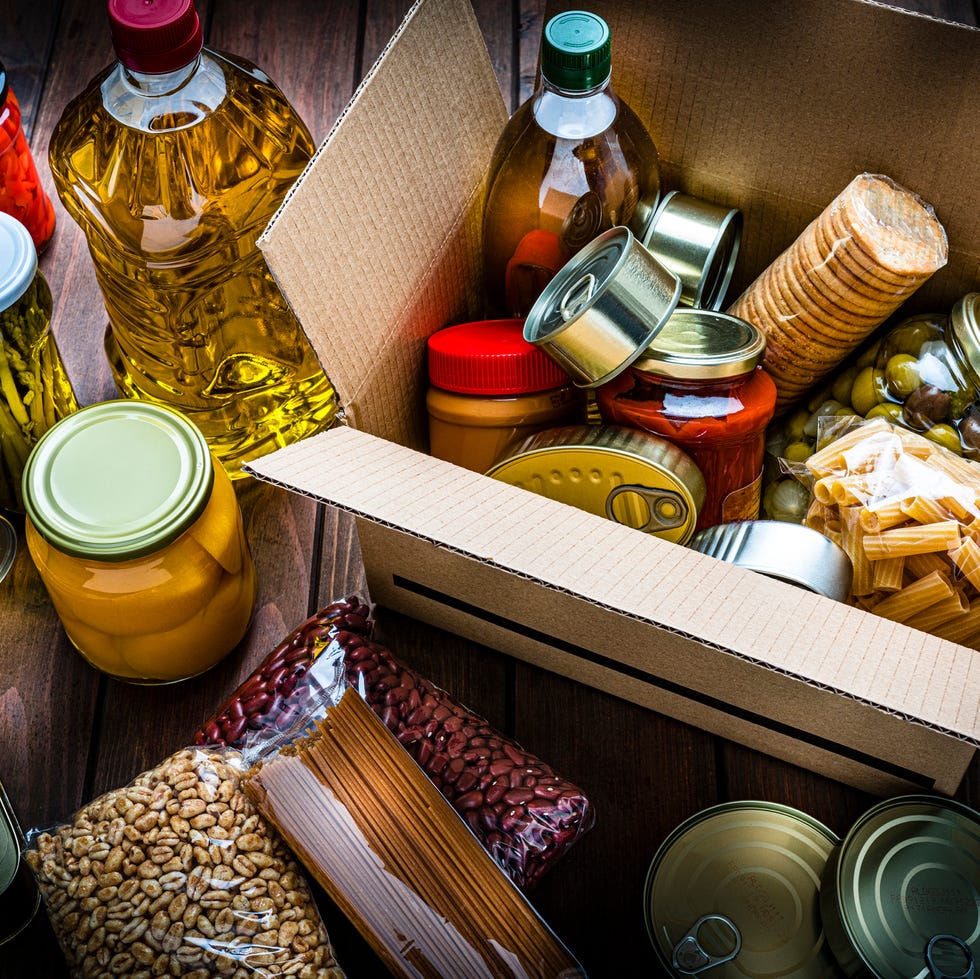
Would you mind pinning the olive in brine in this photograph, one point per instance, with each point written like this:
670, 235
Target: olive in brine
926, 406
970, 426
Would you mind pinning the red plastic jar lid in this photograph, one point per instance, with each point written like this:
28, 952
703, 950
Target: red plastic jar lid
155, 36
490, 357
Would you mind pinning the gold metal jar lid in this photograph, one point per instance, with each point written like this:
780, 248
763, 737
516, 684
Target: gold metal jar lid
627, 475
733, 893
603, 308
701, 344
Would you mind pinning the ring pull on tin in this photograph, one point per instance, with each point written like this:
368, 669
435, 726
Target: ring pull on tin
962, 956
667, 508
691, 958
577, 296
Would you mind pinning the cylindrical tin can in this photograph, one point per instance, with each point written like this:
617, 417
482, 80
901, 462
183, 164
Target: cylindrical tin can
900, 896
699, 385
698, 240
603, 308
634, 478
733, 893
790, 552
19, 896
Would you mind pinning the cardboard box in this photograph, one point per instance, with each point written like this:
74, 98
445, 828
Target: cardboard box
770, 107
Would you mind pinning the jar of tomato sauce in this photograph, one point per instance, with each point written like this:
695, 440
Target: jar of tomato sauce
138, 538
700, 385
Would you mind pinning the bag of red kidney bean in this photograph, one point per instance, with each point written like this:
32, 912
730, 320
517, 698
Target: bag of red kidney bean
524, 813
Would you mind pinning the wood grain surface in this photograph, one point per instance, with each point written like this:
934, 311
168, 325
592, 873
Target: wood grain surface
67, 734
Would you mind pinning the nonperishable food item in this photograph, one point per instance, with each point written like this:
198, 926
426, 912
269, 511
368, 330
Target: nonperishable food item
847, 272
905, 511
35, 391
733, 892
636, 478
138, 538
394, 856
19, 896
525, 814
489, 388
572, 162
177, 874
700, 386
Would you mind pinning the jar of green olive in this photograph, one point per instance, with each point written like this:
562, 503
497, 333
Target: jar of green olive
34, 389
926, 376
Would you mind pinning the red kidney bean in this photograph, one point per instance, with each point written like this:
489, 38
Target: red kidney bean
521, 810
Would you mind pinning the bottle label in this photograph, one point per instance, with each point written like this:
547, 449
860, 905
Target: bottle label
743, 503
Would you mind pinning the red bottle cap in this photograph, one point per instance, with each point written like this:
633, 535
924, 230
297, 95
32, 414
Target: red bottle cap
490, 357
155, 36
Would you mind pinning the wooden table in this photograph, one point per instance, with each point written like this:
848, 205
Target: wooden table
68, 734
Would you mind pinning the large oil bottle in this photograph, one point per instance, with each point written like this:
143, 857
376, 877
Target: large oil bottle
572, 162
172, 161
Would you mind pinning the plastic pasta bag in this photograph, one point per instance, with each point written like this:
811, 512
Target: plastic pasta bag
177, 874
907, 513
524, 813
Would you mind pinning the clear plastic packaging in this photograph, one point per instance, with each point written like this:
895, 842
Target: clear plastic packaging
525, 814
906, 511
849, 270
388, 848
176, 874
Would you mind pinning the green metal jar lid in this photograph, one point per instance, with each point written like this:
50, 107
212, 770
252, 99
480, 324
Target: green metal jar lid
703, 344
576, 51
117, 480
733, 893
18, 260
9, 852
901, 895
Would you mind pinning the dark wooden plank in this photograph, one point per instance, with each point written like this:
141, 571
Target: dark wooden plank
530, 26
25, 47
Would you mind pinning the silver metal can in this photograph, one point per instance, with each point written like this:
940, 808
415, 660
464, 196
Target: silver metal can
19, 896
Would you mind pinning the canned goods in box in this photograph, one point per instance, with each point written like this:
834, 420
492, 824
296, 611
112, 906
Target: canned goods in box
733, 893
626, 475
900, 896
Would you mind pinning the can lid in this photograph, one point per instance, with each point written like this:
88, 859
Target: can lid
155, 36
18, 260
490, 357
907, 872
576, 51
699, 344
734, 891
790, 552
117, 480
9, 851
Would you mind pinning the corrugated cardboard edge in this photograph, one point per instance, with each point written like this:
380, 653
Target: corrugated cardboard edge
394, 199
885, 665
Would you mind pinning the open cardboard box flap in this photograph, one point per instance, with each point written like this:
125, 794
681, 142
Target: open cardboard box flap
768, 107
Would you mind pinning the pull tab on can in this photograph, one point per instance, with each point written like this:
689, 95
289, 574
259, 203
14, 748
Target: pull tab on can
577, 296
667, 508
689, 955
961, 953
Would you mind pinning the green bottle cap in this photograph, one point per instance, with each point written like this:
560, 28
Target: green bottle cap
576, 51
117, 480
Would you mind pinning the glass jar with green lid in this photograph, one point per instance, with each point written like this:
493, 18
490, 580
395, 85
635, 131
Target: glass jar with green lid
138, 538
34, 388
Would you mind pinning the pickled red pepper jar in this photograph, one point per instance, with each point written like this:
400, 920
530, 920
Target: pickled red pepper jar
699, 385
137, 535
21, 193
489, 388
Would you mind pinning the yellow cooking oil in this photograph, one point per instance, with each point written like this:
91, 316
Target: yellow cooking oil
173, 176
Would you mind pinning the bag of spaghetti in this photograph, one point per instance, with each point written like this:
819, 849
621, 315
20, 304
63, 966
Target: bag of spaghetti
176, 874
907, 513
387, 846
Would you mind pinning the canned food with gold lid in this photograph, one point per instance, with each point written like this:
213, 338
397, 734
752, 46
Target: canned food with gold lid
733, 893
626, 475
900, 896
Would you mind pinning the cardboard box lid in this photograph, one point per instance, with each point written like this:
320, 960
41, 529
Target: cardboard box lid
768, 622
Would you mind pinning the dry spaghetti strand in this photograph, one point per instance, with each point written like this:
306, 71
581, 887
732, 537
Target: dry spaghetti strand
397, 859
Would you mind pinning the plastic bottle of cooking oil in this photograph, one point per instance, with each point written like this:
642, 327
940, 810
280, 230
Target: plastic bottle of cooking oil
573, 161
172, 161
